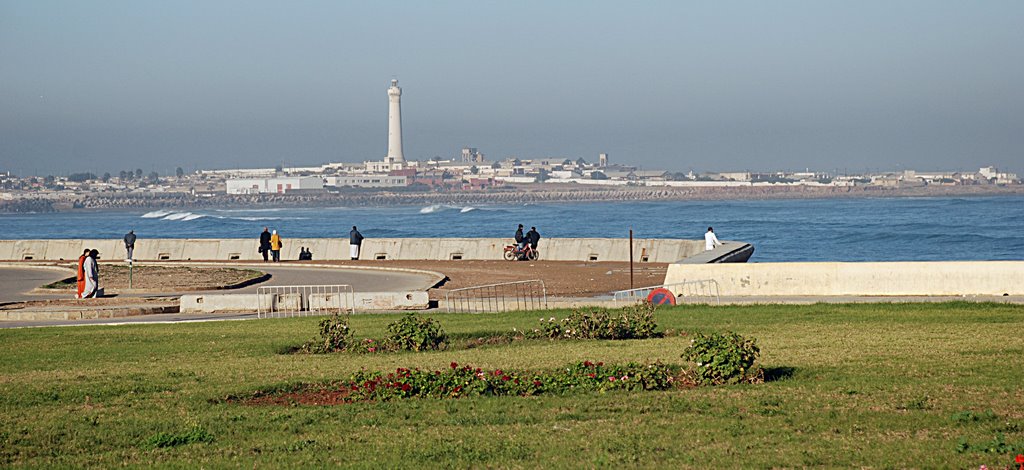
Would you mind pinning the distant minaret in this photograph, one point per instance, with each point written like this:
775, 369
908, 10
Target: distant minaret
394, 124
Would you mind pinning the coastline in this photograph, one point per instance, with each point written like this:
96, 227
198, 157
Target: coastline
517, 195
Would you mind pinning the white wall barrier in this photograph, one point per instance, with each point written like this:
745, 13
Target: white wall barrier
554, 249
942, 278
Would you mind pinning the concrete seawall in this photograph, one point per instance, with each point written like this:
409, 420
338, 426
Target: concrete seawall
552, 249
927, 278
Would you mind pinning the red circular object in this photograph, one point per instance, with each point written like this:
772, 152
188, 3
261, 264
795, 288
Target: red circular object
661, 296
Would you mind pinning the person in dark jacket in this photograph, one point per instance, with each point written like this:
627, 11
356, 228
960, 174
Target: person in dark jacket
355, 239
519, 238
532, 237
129, 244
265, 244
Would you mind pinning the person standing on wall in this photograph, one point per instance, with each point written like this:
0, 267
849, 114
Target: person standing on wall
275, 246
355, 240
129, 244
91, 269
80, 289
710, 240
265, 243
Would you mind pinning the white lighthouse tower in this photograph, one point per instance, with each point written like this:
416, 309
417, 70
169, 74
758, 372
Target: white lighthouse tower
394, 124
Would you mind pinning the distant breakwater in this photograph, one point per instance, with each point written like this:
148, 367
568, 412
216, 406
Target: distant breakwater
560, 194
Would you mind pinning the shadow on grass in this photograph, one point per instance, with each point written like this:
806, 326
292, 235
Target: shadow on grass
778, 374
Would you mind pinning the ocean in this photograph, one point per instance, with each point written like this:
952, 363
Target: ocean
862, 229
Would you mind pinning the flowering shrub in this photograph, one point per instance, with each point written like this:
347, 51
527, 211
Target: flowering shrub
461, 381
411, 333
632, 322
723, 358
335, 335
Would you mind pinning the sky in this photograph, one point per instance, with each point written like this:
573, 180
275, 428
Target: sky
845, 87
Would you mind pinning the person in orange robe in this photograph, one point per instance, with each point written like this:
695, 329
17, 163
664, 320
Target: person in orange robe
81, 274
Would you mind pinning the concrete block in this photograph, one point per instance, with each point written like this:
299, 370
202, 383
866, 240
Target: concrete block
210, 303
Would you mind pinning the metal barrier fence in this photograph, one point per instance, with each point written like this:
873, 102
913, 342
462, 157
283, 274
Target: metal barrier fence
503, 297
295, 301
703, 291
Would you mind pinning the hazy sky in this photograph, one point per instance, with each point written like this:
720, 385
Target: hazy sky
709, 86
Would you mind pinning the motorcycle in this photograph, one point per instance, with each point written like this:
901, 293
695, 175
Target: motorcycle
512, 253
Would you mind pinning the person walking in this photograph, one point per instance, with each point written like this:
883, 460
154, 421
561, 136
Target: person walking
275, 246
129, 244
80, 278
265, 243
91, 269
710, 240
355, 240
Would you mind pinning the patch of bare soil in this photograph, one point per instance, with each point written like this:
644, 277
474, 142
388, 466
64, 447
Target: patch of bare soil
561, 278
114, 278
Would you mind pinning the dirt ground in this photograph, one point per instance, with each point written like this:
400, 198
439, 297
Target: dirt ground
114, 278
561, 278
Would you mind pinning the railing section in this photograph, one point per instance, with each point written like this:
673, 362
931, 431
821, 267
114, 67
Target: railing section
702, 291
503, 297
295, 301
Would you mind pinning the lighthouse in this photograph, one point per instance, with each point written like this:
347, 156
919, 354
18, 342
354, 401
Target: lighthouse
394, 124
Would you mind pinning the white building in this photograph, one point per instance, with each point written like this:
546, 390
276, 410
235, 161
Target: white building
368, 181
280, 185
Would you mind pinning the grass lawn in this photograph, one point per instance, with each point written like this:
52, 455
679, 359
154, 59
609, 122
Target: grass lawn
876, 385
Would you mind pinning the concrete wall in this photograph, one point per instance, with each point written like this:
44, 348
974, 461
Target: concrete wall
363, 302
861, 279
556, 249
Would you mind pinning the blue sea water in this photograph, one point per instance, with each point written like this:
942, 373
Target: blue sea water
863, 229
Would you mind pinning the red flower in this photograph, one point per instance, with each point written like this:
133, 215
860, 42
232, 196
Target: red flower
536, 383
406, 387
611, 379
454, 365
599, 364
1020, 458
505, 378
588, 364
592, 375
457, 389
497, 372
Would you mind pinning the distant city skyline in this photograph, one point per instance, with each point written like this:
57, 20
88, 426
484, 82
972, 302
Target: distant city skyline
830, 86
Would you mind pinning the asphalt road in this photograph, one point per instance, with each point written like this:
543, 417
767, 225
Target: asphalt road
15, 282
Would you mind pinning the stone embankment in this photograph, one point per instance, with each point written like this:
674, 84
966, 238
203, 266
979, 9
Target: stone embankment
559, 193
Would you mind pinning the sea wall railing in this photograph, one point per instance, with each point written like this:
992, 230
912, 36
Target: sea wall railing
295, 301
701, 291
501, 297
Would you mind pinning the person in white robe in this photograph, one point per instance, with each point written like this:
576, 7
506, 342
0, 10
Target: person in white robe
92, 275
710, 240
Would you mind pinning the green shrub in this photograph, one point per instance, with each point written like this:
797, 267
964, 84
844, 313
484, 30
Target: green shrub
411, 333
724, 359
335, 335
634, 322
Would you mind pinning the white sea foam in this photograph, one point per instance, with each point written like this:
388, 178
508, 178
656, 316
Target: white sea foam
193, 216
431, 209
467, 209
155, 214
177, 216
